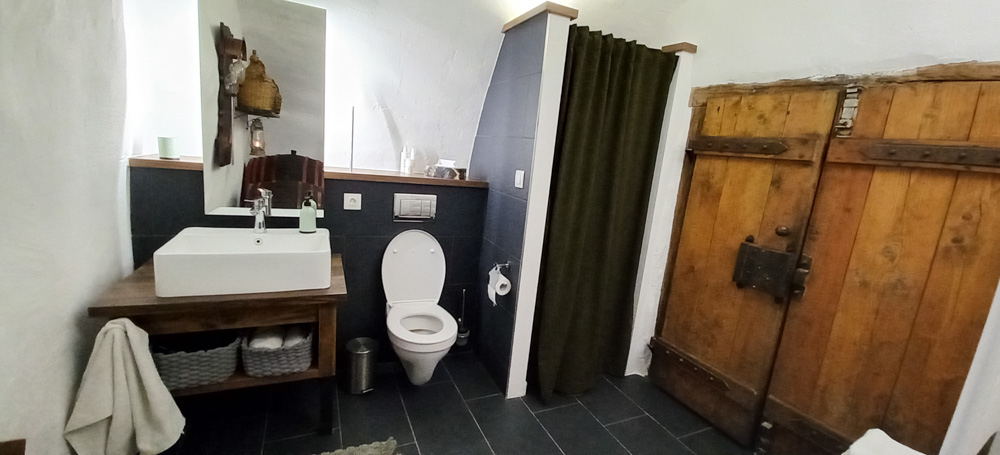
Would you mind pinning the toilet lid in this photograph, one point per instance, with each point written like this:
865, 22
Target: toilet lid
413, 268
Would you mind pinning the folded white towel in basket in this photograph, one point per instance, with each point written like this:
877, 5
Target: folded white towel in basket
122, 407
267, 337
295, 335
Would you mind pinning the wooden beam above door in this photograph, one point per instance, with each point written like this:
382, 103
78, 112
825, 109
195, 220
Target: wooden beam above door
964, 71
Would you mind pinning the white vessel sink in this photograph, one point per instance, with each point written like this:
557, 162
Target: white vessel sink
213, 261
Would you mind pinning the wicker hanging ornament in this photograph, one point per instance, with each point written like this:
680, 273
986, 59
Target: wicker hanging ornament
258, 93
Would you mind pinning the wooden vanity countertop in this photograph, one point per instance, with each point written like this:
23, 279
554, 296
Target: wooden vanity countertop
135, 295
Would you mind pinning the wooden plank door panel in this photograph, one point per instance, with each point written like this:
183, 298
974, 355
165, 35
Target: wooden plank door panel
718, 341
886, 331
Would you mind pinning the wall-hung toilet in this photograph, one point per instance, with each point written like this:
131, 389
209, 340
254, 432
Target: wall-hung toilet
413, 269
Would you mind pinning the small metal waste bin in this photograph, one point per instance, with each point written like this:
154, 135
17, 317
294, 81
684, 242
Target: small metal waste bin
362, 375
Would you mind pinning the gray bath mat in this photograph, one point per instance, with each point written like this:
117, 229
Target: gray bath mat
375, 448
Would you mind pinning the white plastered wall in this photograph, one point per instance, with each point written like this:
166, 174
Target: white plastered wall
62, 82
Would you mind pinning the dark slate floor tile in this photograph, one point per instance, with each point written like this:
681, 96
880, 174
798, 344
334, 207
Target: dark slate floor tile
578, 432
469, 375
177, 448
510, 427
375, 416
441, 422
643, 436
295, 410
713, 442
440, 375
243, 436
535, 403
608, 404
227, 405
408, 449
669, 412
304, 445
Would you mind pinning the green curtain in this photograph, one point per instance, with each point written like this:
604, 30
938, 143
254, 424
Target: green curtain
613, 101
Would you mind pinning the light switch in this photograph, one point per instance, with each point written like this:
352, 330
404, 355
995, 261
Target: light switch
352, 201
518, 179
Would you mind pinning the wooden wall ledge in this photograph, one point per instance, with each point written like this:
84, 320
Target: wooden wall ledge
547, 7
194, 163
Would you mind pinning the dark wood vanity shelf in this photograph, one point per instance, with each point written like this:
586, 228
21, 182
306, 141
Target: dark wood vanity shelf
194, 163
135, 298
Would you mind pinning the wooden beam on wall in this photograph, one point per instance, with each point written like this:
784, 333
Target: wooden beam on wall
680, 47
964, 71
547, 7
15, 447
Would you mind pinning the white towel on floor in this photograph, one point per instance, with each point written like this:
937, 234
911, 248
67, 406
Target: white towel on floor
295, 335
876, 442
122, 406
267, 337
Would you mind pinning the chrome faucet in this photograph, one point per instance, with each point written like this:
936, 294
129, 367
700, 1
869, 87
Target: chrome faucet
261, 208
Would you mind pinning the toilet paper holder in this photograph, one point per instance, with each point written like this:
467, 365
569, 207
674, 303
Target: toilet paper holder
501, 265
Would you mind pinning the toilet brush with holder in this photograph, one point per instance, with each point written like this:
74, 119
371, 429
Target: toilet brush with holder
463, 332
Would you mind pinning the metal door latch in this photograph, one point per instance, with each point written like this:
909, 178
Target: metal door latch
848, 111
779, 273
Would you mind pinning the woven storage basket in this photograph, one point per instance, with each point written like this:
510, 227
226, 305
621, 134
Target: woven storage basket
180, 370
259, 362
257, 91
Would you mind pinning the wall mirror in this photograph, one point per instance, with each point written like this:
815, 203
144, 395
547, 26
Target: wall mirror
262, 98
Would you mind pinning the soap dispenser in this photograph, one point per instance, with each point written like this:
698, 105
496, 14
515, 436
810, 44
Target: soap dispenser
307, 216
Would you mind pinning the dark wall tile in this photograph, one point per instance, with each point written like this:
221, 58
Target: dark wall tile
489, 256
518, 155
493, 340
511, 428
470, 377
463, 260
510, 234
364, 313
143, 247
165, 201
522, 49
578, 432
451, 299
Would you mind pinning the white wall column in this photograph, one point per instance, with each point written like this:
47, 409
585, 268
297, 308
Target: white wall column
660, 214
549, 97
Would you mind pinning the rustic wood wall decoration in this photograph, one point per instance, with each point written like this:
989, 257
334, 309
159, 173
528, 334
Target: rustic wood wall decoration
228, 49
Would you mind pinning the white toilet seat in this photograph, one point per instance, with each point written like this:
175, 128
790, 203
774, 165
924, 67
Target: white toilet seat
413, 341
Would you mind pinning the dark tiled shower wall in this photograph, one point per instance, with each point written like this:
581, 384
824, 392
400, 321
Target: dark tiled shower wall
505, 143
165, 201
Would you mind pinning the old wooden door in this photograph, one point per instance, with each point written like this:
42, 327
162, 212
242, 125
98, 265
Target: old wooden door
905, 242
757, 164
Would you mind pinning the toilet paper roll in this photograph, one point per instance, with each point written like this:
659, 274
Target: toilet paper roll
499, 285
